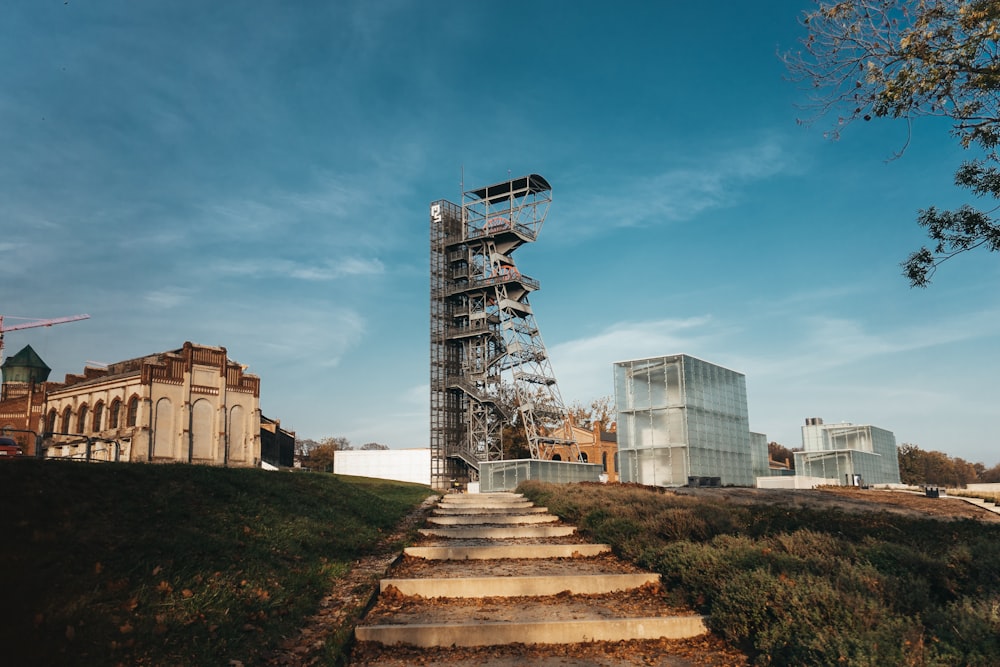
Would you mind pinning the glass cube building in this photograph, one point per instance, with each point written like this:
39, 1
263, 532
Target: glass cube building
850, 453
681, 419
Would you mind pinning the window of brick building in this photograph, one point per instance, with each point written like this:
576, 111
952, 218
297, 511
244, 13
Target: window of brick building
98, 416
114, 414
133, 411
81, 421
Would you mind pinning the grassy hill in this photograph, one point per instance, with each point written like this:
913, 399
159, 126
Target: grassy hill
796, 585
174, 564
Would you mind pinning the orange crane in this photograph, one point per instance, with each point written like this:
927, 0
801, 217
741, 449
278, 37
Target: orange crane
35, 323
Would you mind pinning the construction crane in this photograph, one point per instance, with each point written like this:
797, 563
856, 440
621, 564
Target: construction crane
35, 323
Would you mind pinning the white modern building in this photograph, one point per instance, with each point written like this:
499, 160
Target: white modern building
682, 420
403, 465
852, 454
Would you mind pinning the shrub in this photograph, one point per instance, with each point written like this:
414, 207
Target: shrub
806, 586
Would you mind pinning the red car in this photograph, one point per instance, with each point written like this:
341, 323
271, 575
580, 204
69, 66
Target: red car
9, 447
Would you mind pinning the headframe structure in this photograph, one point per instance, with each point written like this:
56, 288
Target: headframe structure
489, 365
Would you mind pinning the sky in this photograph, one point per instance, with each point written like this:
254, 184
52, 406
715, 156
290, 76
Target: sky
257, 176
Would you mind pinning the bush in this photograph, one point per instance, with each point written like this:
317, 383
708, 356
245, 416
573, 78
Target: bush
809, 587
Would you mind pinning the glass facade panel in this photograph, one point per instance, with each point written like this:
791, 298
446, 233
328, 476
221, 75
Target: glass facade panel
850, 453
506, 475
691, 414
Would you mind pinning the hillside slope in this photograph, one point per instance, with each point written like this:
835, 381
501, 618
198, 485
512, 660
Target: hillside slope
175, 564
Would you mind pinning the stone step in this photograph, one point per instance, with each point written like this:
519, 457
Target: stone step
508, 551
487, 511
508, 587
489, 588
492, 519
460, 498
534, 632
486, 505
498, 532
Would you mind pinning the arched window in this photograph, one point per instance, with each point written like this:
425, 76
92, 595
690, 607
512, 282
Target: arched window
583, 457
98, 417
67, 415
604, 461
133, 411
50, 422
114, 414
81, 421
557, 458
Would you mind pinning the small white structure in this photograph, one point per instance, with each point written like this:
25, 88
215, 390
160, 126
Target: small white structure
854, 454
795, 482
403, 465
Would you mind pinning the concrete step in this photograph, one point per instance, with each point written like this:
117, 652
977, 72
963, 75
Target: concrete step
510, 592
487, 505
537, 632
508, 587
508, 551
474, 498
487, 511
492, 519
498, 532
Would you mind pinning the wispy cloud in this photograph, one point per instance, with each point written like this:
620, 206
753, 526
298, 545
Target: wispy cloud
825, 343
681, 191
583, 365
327, 270
167, 297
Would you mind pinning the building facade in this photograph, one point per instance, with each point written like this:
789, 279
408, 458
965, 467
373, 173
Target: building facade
852, 454
593, 445
682, 420
22, 396
190, 405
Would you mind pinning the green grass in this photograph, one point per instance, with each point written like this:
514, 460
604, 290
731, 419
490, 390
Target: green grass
175, 564
805, 586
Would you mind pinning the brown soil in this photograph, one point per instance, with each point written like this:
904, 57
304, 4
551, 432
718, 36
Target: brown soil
705, 651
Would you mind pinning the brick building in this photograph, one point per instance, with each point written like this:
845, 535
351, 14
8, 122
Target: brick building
596, 446
22, 396
190, 405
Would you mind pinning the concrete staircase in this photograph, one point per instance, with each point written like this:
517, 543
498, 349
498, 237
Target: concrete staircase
492, 570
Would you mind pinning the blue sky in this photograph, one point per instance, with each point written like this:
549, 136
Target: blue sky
257, 176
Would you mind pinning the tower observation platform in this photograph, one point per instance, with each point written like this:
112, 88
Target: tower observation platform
489, 366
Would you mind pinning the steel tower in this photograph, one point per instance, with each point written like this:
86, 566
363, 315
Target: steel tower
488, 363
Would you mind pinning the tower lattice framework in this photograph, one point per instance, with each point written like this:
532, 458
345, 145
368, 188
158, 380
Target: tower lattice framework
489, 365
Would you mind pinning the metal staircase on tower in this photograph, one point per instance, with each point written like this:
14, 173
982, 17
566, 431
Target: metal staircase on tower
489, 366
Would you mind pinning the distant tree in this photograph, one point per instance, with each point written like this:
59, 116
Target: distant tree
304, 445
780, 453
320, 458
338, 444
911, 464
918, 467
369, 446
990, 475
321, 454
514, 442
866, 59
600, 411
